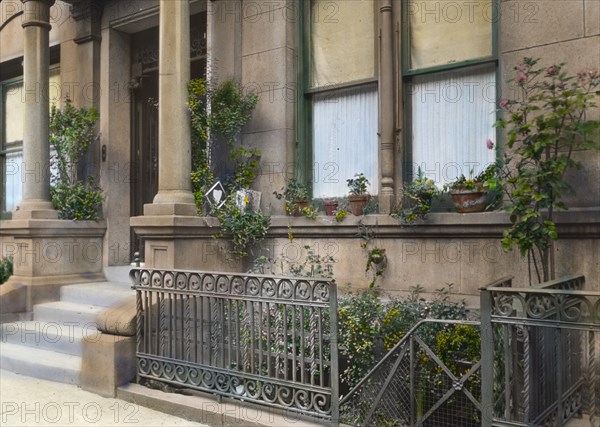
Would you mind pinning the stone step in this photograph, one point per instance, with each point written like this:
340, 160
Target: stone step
39, 363
102, 294
118, 273
51, 336
211, 410
67, 313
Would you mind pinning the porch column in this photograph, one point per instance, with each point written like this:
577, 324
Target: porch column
35, 172
386, 91
174, 134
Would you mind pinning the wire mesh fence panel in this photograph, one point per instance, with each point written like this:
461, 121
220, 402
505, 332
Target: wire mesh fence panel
431, 378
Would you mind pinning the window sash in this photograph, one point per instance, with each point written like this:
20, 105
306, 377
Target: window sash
340, 42
345, 140
11, 135
446, 33
462, 103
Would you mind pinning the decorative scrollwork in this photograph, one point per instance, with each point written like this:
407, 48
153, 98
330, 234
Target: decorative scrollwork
252, 286
503, 304
285, 289
237, 285
194, 282
538, 306
181, 281
223, 285
208, 283
321, 291
156, 280
168, 280
145, 278
268, 288
302, 290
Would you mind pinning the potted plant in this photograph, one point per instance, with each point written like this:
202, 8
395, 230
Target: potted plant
418, 195
471, 194
296, 197
358, 197
331, 206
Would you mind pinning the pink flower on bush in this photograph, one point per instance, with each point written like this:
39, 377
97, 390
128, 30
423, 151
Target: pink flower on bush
521, 77
587, 75
504, 103
489, 144
552, 71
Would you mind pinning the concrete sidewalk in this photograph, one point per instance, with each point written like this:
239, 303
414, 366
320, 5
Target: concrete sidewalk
26, 401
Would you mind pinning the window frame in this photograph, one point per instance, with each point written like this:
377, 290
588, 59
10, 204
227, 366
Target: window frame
304, 162
408, 74
17, 146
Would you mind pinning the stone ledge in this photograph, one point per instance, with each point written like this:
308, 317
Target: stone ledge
204, 408
573, 223
52, 228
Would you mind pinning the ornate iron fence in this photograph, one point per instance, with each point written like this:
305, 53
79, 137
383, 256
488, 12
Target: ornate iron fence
539, 353
262, 339
431, 378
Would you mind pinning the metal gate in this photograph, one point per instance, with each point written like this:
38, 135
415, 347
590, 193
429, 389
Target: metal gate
539, 354
413, 385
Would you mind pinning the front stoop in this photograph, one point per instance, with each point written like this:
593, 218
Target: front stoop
206, 410
51, 345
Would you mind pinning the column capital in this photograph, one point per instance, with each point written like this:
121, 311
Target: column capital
50, 3
36, 13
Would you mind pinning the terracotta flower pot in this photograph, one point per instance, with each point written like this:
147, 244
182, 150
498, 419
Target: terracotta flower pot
300, 204
358, 203
467, 201
330, 207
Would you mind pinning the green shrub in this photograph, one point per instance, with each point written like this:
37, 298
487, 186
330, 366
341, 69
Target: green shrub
79, 201
368, 326
6, 269
71, 134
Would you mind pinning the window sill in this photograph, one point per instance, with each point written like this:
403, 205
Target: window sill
575, 223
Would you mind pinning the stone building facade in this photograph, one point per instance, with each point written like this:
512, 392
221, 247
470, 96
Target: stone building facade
377, 86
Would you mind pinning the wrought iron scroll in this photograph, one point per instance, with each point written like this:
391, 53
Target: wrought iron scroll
256, 338
540, 360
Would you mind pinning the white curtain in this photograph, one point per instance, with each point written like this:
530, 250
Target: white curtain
345, 139
452, 118
14, 186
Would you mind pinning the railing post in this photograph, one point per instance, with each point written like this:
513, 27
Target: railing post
487, 359
335, 376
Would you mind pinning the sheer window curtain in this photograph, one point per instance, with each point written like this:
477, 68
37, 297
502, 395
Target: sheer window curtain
345, 140
453, 114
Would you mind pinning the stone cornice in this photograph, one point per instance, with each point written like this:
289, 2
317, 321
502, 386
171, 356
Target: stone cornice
25, 228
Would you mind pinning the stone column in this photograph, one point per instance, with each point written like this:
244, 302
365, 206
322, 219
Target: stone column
174, 134
386, 91
36, 202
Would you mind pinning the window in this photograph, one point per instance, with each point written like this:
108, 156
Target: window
12, 115
449, 72
341, 94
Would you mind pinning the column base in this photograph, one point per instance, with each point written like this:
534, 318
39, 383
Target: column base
180, 209
35, 209
174, 197
48, 254
184, 243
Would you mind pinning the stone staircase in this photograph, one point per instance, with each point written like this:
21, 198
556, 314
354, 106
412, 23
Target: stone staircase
50, 346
